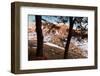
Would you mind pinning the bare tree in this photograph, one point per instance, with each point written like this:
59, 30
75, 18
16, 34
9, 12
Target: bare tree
39, 52
69, 37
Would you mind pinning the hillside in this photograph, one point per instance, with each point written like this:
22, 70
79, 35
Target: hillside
56, 35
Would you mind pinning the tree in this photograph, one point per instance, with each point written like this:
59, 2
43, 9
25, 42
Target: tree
39, 52
69, 37
61, 19
81, 24
77, 21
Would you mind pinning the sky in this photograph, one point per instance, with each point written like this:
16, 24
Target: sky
51, 19
31, 18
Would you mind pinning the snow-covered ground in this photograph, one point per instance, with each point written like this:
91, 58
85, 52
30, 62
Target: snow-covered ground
82, 45
51, 44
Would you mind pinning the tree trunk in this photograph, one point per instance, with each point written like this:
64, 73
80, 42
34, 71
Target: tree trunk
68, 38
39, 51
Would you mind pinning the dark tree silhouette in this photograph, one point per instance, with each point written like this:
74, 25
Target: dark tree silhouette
81, 24
83, 30
39, 52
57, 19
69, 37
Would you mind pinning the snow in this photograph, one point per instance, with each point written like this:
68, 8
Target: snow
32, 36
82, 45
47, 38
51, 44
